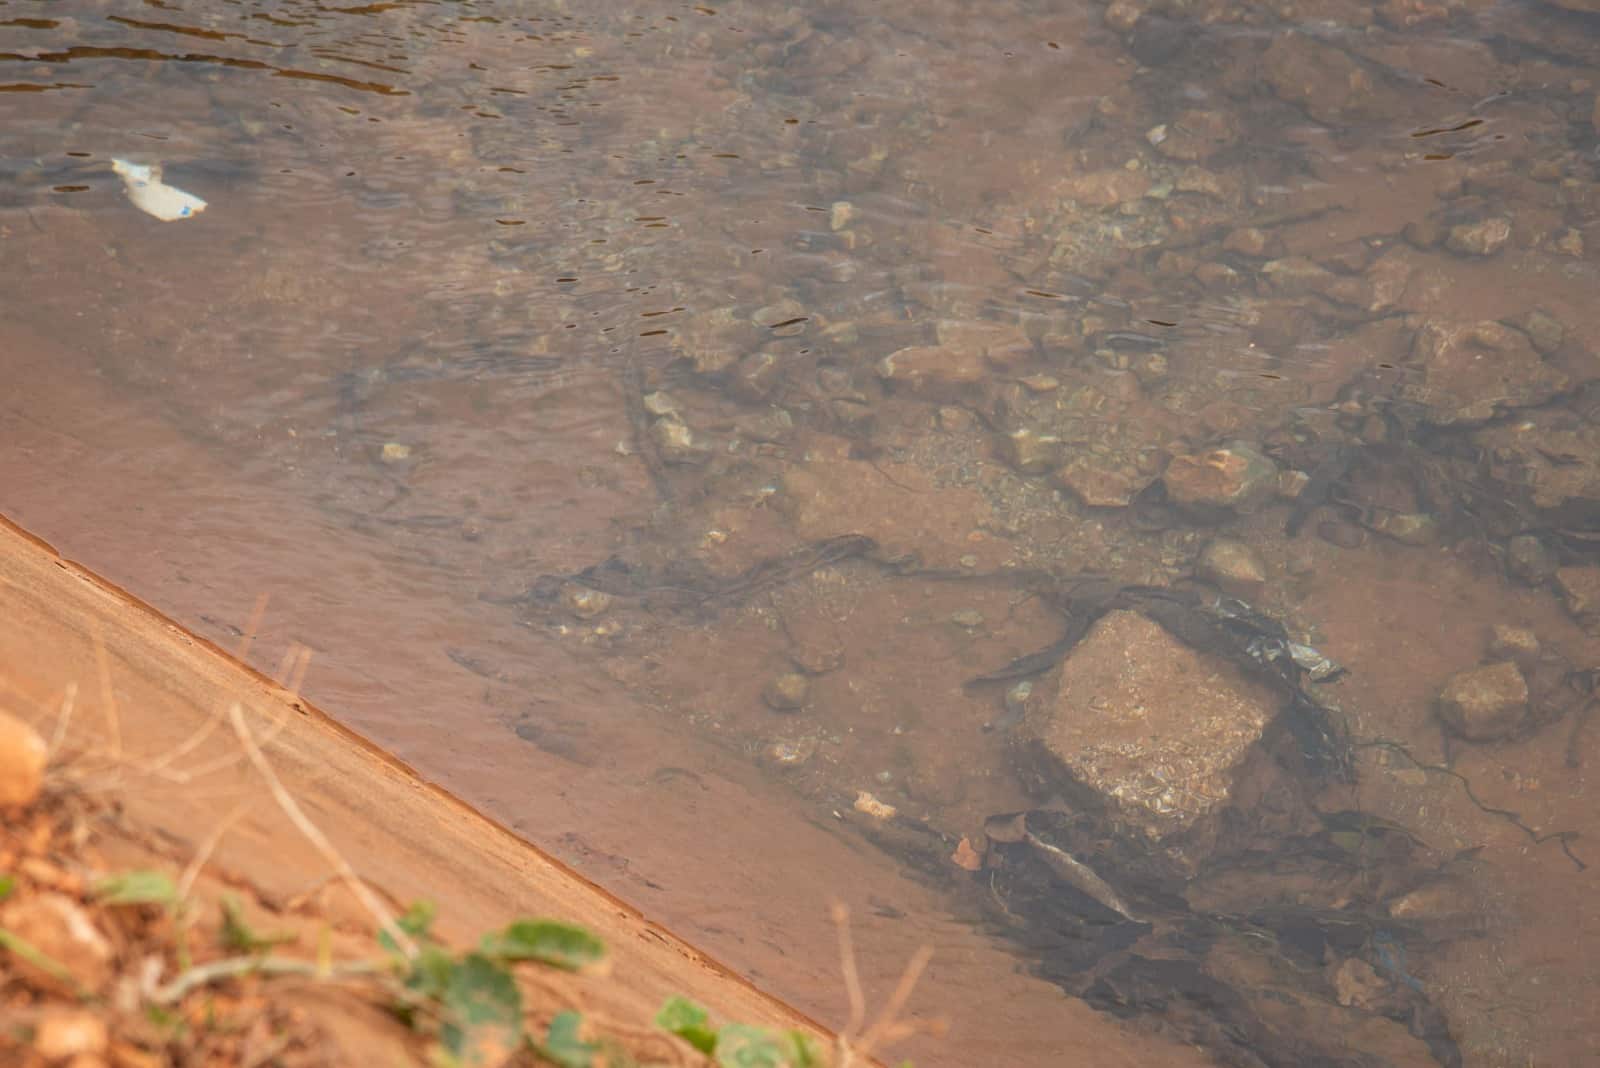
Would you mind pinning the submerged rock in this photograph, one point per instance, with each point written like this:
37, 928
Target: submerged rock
1323, 80
786, 692
1482, 238
1483, 704
1580, 589
1472, 372
1234, 476
1152, 729
1233, 566
1530, 560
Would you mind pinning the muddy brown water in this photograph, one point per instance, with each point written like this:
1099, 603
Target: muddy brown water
523, 352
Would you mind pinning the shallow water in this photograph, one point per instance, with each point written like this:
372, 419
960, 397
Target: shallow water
534, 359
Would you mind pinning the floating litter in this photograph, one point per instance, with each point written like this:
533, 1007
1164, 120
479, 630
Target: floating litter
153, 196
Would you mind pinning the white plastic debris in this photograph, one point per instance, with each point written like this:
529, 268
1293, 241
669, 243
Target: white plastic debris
153, 196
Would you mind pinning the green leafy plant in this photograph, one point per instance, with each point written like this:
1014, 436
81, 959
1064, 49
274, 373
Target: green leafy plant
137, 888
560, 945
736, 1045
564, 1044
237, 934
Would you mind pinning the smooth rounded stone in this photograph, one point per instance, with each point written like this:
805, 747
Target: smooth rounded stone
777, 314
1483, 704
23, 755
969, 618
791, 752
675, 441
661, 403
583, 602
1031, 452
922, 367
1344, 535
1513, 643
850, 412
1218, 276
1530, 559
772, 425
1233, 566
1473, 371
786, 692
1544, 330
1407, 528
1580, 589
1248, 241
394, 452
1482, 238
1234, 476
1152, 727
1423, 233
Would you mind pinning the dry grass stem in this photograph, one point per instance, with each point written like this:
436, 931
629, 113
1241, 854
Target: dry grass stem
69, 703
252, 627
113, 719
207, 847
291, 808
888, 1028
847, 965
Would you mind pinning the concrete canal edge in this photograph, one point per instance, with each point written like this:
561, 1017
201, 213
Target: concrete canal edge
404, 835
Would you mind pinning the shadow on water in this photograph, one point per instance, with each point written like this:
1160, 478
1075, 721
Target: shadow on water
1137, 465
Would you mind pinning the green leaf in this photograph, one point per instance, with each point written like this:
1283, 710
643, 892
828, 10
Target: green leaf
561, 945
744, 1046
682, 1017
483, 1011
238, 935
805, 1051
416, 921
564, 1045
431, 972
137, 888
7, 884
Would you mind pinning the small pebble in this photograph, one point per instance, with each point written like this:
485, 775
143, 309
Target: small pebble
871, 806
583, 602
969, 618
394, 452
786, 692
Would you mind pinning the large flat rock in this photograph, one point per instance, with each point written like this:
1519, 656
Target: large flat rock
1151, 727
